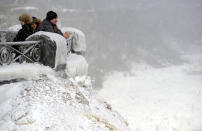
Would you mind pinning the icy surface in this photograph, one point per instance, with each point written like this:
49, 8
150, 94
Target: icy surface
51, 103
76, 65
80, 44
61, 50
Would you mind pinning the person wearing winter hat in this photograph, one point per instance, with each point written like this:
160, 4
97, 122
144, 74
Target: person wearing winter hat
35, 24
25, 21
49, 24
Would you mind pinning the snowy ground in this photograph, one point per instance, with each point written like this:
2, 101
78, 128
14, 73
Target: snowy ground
158, 99
50, 103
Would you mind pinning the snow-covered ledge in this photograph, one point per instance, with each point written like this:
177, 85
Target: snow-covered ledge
50, 103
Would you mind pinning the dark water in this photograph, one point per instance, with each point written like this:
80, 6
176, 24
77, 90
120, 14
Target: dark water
120, 32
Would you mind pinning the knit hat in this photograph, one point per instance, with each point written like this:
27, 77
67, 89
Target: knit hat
51, 15
26, 18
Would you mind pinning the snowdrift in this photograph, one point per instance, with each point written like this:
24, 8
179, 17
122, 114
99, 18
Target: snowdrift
50, 103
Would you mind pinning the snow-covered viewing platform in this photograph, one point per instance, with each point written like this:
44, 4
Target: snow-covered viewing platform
36, 97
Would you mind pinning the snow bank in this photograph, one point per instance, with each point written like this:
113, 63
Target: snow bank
79, 46
55, 104
7, 92
76, 66
165, 99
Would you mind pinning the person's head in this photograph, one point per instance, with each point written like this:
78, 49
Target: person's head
25, 19
52, 17
35, 23
66, 35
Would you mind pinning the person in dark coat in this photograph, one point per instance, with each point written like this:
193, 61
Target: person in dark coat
26, 30
35, 24
49, 24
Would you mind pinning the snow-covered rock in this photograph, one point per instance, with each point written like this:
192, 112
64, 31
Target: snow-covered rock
50, 103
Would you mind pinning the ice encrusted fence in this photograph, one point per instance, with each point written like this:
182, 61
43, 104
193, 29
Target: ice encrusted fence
57, 54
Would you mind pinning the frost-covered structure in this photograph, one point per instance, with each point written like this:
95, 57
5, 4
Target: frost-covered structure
76, 65
49, 49
53, 48
79, 40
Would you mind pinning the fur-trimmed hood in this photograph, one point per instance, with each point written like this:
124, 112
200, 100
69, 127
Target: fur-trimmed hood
26, 18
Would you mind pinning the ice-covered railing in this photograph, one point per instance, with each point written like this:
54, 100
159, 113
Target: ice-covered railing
49, 49
78, 43
54, 48
11, 52
8, 52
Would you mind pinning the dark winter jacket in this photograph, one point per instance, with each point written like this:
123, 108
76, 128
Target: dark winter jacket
47, 26
24, 33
